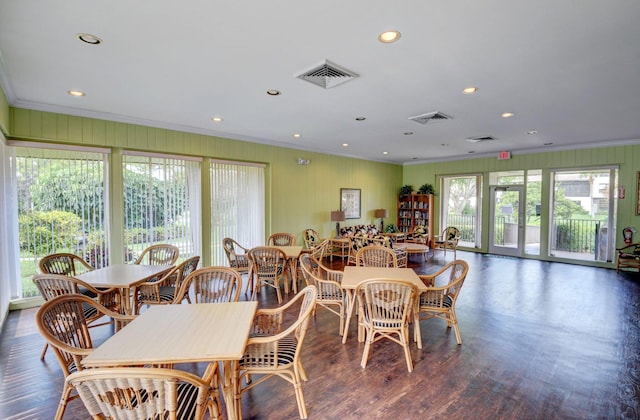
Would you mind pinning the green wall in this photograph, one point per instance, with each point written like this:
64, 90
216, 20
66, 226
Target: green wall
626, 158
4, 113
298, 196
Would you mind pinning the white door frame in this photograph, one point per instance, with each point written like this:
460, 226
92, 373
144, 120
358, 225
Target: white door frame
518, 250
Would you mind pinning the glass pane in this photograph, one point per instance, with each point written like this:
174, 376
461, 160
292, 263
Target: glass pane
533, 212
161, 198
460, 209
580, 214
237, 206
61, 208
505, 227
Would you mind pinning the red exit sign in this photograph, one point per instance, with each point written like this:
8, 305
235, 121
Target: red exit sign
504, 155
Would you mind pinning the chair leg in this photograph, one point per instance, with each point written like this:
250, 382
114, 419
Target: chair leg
64, 399
454, 321
404, 338
367, 346
44, 351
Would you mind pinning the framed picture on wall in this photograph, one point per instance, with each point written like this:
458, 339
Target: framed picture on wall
350, 202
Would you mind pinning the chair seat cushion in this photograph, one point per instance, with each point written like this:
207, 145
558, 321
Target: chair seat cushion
427, 300
167, 293
286, 352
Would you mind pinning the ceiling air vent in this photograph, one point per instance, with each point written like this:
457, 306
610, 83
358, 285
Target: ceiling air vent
429, 117
327, 75
480, 139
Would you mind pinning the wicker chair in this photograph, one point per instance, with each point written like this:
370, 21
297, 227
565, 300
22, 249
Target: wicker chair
215, 284
274, 350
356, 242
311, 238
420, 235
63, 263
238, 261
268, 265
440, 300
331, 295
386, 241
144, 393
376, 256
628, 257
63, 323
166, 290
159, 254
385, 308
53, 285
448, 240
281, 239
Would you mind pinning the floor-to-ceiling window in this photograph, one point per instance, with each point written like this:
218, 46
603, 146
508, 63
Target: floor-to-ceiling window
61, 197
162, 202
583, 209
460, 207
237, 206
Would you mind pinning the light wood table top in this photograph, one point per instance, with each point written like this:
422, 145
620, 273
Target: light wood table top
179, 333
290, 251
355, 275
122, 275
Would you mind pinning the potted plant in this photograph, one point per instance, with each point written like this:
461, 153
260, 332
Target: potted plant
426, 189
391, 228
406, 190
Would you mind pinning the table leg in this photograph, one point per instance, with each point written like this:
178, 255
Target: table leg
125, 298
229, 383
351, 303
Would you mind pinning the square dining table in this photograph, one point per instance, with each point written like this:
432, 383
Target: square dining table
354, 275
123, 277
292, 253
185, 333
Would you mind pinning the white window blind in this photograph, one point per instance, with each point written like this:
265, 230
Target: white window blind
61, 197
237, 206
162, 202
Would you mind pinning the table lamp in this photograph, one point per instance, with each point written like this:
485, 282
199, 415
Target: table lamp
381, 214
337, 216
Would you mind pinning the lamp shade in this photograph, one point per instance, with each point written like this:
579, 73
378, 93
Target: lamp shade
337, 216
381, 213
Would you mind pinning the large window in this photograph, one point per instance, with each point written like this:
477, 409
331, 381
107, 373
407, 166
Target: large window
583, 214
61, 200
162, 197
237, 206
459, 207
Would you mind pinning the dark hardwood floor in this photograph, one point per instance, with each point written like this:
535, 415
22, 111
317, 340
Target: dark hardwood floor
540, 341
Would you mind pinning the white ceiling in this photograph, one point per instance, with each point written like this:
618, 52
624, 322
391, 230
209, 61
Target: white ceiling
568, 69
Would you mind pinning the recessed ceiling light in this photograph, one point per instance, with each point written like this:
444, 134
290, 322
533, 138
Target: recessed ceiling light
532, 132
389, 36
297, 135
385, 153
217, 119
345, 144
408, 133
507, 114
273, 92
361, 118
469, 90
89, 39
76, 93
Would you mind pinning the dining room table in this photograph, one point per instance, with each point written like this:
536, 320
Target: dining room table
123, 277
215, 333
292, 252
354, 275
